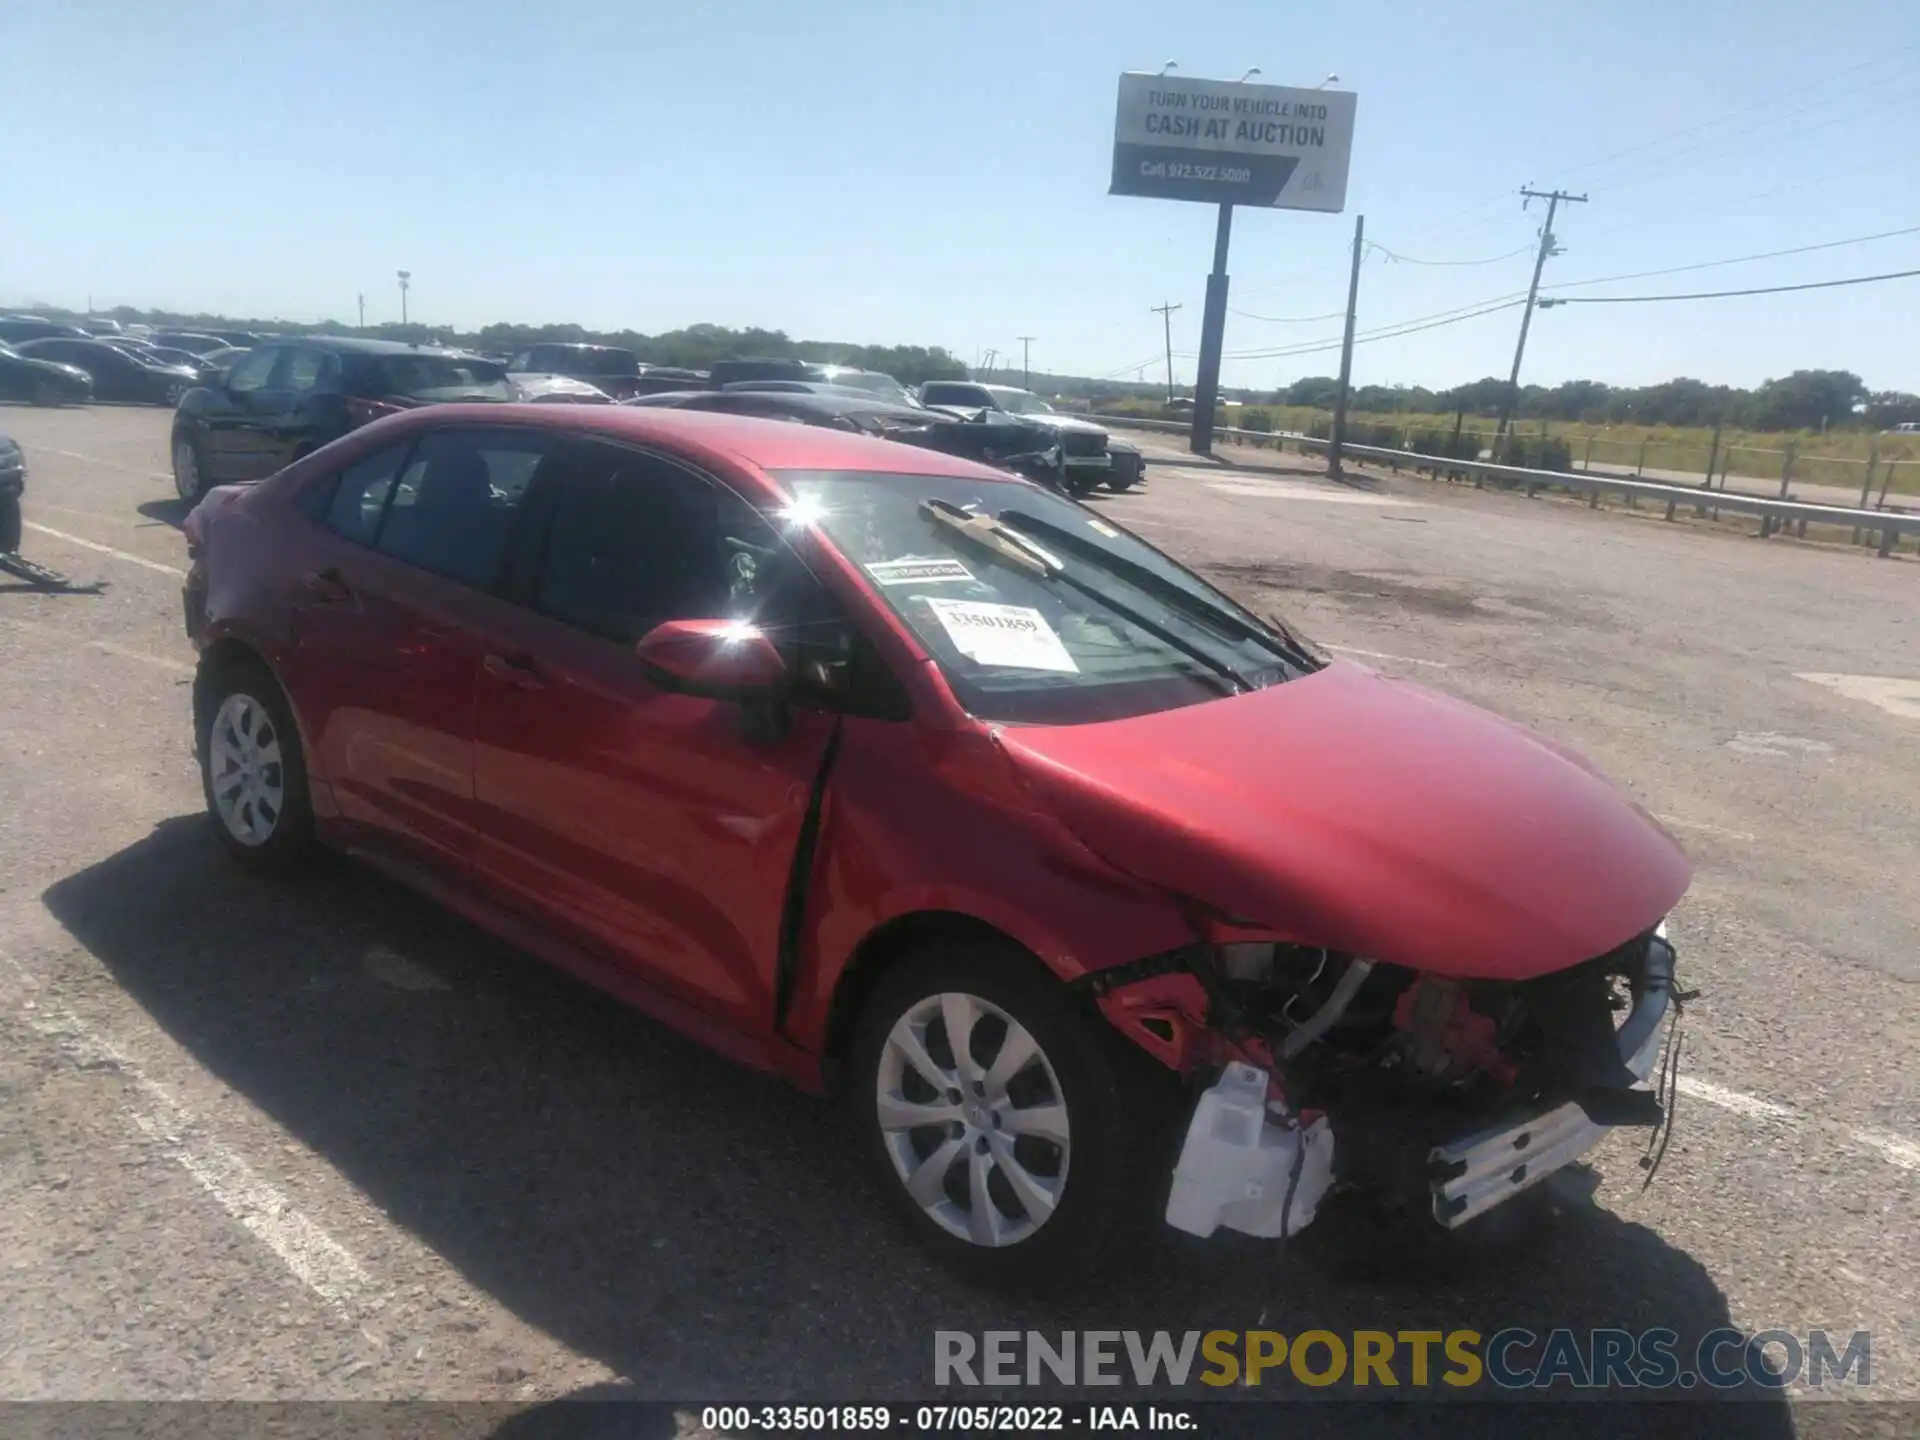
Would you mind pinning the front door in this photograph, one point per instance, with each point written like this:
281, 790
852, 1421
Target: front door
395, 604
658, 829
235, 436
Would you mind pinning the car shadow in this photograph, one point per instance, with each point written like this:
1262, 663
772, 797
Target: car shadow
699, 1229
166, 512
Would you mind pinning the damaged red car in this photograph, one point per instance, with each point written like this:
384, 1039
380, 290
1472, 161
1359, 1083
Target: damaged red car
1100, 898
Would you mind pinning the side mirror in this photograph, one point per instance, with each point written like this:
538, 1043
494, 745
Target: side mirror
720, 659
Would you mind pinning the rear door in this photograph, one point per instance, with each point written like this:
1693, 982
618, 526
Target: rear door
398, 593
654, 828
283, 408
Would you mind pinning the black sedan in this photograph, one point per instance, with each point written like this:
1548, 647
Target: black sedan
44, 382
117, 374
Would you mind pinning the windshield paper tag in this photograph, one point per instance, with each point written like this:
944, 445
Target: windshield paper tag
920, 572
1015, 636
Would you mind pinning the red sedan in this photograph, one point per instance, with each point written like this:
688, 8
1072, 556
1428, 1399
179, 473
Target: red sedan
1099, 895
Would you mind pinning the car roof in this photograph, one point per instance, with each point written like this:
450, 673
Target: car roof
354, 345
573, 345
705, 435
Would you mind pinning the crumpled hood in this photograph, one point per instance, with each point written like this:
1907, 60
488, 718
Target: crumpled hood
1362, 813
1065, 422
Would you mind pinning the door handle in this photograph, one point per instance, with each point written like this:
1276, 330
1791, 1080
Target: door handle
515, 671
327, 587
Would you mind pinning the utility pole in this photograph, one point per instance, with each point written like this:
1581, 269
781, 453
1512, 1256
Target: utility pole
1026, 360
363, 313
1165, 312
1512, 397
1346, 349
406, 279
1213, 329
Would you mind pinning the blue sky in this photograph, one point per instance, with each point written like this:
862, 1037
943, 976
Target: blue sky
904, 171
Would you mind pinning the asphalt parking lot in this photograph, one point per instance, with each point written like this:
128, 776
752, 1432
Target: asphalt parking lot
323, 1141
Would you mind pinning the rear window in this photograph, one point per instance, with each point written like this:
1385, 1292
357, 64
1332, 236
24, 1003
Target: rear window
441, 377
607, 362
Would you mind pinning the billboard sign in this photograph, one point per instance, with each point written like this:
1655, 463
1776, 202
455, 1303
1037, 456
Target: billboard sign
1223, 142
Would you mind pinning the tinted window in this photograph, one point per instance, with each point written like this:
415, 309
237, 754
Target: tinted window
453, 507
441, 377
523, 362
935, 393
634, 540
253, 372
356, 498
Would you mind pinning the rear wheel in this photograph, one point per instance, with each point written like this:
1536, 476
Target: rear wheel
1013, 1134
189, 471
10, 522
252, 771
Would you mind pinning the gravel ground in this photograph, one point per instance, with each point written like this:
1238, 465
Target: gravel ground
321, 1141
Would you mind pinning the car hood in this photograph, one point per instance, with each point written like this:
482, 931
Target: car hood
1361, 813
1064, 422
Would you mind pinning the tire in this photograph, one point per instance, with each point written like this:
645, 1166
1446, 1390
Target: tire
189, 468
245, 734
1120, 484
1092, 1188
10, 524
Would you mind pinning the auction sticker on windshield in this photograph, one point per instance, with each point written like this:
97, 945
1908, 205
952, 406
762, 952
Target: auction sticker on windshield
1016, 636
919, 572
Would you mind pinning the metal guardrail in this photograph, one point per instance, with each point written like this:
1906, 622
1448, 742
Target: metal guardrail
1891, 524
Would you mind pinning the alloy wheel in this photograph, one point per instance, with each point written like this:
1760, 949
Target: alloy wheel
246, 770
974, 1119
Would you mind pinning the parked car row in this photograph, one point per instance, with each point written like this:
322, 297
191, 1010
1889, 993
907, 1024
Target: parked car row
288, 396
57, 362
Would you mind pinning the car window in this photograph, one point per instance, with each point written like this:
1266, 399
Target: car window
429, 376
352, 504
300, 369
938, 394
522, 363
634, 540
253, 372
452, 508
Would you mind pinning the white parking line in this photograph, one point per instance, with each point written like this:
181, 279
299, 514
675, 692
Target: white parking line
1382, 655
1705, 829
139, 560
1894, 1149
316, 1259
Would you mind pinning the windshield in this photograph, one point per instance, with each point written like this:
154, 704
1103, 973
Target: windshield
605, 362
443, 377
1036, 609
1022, 402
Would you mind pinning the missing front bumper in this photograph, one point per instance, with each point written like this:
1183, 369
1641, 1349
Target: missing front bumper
1473, 1174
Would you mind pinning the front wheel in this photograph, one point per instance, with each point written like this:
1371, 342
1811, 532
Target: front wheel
189, 473
1017, 1138
252, 771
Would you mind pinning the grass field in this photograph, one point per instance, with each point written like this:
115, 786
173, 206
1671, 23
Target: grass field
1838, 459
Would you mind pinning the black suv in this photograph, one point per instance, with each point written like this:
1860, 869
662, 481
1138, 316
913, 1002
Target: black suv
287, 397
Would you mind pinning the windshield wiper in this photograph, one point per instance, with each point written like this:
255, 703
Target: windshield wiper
1178, 597
1003, 542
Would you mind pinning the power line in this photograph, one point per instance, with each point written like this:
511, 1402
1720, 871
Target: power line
1723, 294
1393, 332
1738, 259
1772, 99
1287, 319
1372, 248
1500, 301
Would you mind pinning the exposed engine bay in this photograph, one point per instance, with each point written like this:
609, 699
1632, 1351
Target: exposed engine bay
1443, 1092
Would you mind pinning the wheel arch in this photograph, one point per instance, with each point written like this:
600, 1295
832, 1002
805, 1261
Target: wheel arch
890, 945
